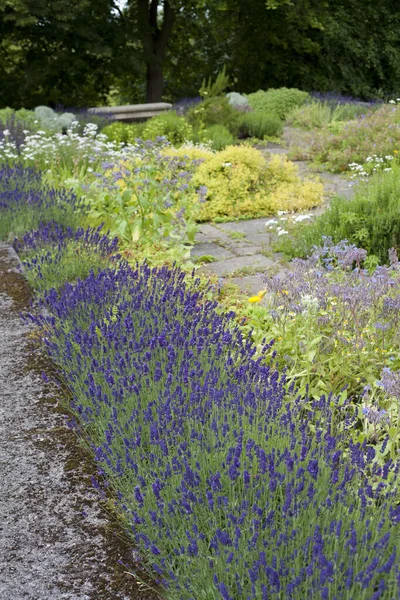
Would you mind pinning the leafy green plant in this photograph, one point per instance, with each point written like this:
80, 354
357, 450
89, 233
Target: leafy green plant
259, 125
212, 89
371, 219
175, 128
152, 200
359, 139
53, 122
126, 133
218, 135
335, 327
214, 111
279, 101
317, 114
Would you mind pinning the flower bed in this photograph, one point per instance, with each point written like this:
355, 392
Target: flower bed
229, 484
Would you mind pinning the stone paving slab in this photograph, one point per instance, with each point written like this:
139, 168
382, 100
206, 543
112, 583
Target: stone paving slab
211, 233
229, 266
250, 284
246, 250
211, 249
246, 227
261, 239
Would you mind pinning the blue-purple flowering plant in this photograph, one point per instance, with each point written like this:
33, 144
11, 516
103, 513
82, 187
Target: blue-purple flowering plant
335, 327
53, 255
25, 202
228, 486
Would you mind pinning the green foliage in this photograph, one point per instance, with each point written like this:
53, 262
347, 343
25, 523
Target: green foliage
318, 115
360, 139
214, 111
277, 101
330, 342
56, 53
218, 135
51, 121
153, 202
237, 100
216, 88
35, 205
259, 125
176, 129
26, 118
126, 133
371, 220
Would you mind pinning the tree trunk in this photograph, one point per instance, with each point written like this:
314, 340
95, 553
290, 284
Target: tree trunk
155, 84
155, 38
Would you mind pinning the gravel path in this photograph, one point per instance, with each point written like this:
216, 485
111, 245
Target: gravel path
55, 540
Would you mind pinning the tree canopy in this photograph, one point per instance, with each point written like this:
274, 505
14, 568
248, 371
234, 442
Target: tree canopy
77, 52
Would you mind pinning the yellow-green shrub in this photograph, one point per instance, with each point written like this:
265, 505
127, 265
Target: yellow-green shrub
189, 152
297, 196
242, 184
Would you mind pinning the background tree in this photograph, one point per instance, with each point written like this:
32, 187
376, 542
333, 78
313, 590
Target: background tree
57, 52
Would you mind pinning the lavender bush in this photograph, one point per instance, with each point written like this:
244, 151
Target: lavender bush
228, 487
54, 255
25, 202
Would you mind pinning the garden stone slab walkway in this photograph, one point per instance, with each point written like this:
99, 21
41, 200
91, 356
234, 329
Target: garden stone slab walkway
241, 249
56, 541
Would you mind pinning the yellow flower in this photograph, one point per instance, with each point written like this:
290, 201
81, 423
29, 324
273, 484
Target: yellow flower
258, 296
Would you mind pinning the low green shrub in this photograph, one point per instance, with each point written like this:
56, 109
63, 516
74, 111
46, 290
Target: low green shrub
219, 136
376, 133
214, 111
125, 133
175, 128
279, 101
370, 220
259, 125
324, 114
52, 121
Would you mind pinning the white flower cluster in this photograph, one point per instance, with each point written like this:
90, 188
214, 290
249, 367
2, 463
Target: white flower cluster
207, 145
375, 163
271, 224
44, 148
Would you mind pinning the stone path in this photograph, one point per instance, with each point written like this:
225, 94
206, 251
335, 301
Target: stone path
56, 542
241, 249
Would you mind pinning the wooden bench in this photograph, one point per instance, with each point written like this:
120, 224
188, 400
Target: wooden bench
131, 112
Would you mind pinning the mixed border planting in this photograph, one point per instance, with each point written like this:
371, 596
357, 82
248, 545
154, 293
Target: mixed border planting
249, 453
